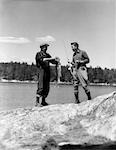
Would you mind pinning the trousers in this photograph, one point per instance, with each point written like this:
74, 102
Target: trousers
80, 76
43, 85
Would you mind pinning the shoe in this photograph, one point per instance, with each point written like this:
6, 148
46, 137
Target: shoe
89, 95
37, 101
38, 105
44, 104
77, 101
76, 98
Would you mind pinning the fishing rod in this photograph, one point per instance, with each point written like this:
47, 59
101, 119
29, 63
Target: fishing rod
66, 51
68, 61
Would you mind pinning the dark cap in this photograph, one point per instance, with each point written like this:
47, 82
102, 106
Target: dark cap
75, 43
44, 44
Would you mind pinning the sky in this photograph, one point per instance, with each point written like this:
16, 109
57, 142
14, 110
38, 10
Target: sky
91, 23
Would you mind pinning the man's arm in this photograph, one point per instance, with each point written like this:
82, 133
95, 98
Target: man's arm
48, 59
85, 60
39, 60
52, 60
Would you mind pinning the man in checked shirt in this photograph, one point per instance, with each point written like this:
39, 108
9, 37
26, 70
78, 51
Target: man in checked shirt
79, 70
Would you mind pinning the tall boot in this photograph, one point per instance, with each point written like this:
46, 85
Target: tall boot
44, 103
37, 101
89, 95
76, 98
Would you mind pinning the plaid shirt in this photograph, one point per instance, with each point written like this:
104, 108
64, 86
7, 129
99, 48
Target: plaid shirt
81, 56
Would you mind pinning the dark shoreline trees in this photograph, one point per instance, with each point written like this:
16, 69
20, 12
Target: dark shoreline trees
24, 71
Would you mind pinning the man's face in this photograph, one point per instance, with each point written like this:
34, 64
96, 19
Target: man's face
44, 48
74, 47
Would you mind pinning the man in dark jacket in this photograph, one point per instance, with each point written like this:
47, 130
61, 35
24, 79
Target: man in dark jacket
79, 70
43, 60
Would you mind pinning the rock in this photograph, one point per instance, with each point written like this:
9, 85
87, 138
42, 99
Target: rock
91, 122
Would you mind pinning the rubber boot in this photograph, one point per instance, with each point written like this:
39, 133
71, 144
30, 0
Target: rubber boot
37, 101
89, 95
76, 98
44, 103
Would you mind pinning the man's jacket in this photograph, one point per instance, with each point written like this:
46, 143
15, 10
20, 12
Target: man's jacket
39, 60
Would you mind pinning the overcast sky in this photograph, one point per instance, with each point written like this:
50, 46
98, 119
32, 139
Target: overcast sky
89, 22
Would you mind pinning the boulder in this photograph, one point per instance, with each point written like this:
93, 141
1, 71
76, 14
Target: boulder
90, 122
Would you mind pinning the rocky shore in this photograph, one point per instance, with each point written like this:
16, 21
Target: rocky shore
88, 123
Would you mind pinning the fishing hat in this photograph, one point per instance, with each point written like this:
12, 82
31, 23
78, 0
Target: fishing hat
44, 44
75, 43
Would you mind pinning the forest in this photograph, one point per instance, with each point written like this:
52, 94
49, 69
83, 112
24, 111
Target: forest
23, 72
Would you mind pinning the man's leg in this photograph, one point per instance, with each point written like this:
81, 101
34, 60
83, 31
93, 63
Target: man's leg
76, 91
39, 92
37, 100
76, 94
89, 95
87, 91
46, 87
44, 103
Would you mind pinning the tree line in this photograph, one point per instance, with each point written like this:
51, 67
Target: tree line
23, 71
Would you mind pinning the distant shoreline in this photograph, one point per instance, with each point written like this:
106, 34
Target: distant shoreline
53, 83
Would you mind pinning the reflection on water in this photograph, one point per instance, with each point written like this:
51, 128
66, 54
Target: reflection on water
14, 95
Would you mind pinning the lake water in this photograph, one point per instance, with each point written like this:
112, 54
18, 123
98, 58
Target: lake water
14, 95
